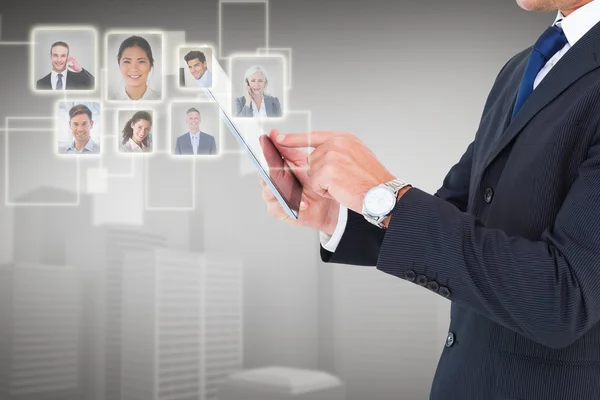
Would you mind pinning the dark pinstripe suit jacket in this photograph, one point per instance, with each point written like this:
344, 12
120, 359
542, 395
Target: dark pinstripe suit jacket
512, 238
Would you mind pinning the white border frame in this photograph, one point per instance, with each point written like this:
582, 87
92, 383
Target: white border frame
284, 109
57, 127
220, 14
213, 60
118, 131
7, 202
163, 81
130, 174
33, 80
146, 197
279, 50
170, 132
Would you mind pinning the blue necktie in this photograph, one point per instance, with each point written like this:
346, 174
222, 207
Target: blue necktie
551, 41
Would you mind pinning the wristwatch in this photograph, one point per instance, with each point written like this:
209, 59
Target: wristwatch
380, 200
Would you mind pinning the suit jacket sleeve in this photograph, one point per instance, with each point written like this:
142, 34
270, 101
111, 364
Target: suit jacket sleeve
213, 146
547, 290
87, 79
361, 241
240, 108
177, 147
276, 108
44, 83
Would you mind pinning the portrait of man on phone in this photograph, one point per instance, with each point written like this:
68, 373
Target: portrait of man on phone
67, 73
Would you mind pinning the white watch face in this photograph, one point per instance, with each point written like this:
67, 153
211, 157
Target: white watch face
379, 201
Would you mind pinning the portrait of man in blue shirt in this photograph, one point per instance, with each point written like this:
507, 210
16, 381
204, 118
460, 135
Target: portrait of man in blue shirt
80, 124
198, 67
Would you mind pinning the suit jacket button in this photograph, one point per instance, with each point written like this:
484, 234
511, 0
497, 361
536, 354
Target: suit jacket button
433, 286
444, 291
421, 280
410, 275
450, 339
488, 195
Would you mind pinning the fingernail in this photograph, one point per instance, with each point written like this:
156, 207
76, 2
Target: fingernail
280, 138
303, 205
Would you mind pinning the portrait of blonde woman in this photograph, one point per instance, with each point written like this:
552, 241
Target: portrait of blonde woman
136, 134
256, 101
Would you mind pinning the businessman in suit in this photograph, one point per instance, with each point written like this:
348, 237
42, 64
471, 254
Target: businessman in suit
512, 238
60, 78
194, 141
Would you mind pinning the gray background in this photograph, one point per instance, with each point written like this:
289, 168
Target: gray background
115, 80
419, 74
125, 115
275, 69
189, 79
82, 45
209, 120
243, 27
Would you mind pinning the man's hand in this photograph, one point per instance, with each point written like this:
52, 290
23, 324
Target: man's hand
341, 167
74, 64
315, 211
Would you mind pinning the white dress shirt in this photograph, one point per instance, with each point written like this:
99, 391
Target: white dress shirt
256, 113
206, 79
54, 79
133, 147
195, 138
149, 94
575, 26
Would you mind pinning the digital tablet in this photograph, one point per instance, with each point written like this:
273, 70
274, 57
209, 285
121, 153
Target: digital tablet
268, 161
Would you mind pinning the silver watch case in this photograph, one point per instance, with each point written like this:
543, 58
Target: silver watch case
380, 200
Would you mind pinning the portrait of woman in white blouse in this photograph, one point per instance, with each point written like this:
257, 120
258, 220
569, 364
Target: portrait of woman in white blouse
136, 134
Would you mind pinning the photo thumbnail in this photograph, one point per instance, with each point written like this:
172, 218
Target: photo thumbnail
195, 128
63, 59
258, 86
195, 70
79, 127
134, 66
135, 131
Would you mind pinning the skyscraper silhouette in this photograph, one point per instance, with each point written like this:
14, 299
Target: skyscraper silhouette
182, 324
41, 351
